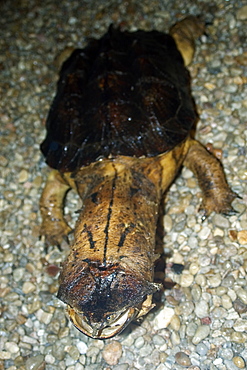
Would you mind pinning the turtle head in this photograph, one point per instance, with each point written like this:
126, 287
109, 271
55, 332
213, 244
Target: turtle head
102, 301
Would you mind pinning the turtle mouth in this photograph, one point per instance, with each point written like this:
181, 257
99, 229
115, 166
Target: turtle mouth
111, 326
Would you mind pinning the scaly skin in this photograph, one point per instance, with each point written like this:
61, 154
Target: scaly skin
54, 226
217, 196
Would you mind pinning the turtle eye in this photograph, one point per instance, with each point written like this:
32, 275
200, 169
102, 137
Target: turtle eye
111, 317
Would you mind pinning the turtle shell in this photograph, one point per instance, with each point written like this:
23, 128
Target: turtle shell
124, 94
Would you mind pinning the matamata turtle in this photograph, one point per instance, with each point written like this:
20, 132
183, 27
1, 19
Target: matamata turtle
119, 129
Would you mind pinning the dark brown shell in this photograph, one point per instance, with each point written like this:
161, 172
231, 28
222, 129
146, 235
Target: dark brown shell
124, 94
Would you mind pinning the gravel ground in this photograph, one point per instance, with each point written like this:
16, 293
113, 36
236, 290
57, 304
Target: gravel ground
202, 322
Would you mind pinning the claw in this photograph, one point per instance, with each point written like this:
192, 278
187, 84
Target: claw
231, 212
66, 239
203, 213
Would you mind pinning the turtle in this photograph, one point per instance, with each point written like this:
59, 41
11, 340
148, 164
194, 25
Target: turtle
120, 128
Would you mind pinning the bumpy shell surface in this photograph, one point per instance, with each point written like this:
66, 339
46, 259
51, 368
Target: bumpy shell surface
124, 94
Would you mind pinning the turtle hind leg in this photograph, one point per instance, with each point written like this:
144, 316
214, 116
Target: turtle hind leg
217, 195
185, 33
54, 227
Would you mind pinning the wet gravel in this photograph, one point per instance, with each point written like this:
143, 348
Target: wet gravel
201, 322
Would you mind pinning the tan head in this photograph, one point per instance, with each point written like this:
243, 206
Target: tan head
103, 301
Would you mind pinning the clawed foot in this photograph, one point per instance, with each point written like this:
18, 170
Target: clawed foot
219, 205
55, 234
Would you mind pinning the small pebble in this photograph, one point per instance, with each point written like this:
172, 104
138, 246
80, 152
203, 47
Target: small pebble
201, 349
192, 242
218, 313
201, 280
158, 340
226, 301
204, 233
242, 13
163, 318
175, 323
191, 329
5, 355
221, 221
146, 350
229, 251
12, 347
209, 86
177, 268
194, 268
201, 333
43, 316
73, 352
240, 306
230, 365
175, 338
34, 362
186, 280
215, 280
23, 176
139, 342
82, 347
221, 290
182, 359
229, 281
240, 325
239, 362
242, 237
237, 337
226, 353
3, 161
177, 260
185, 309
78, 366
167, 223
119, 367
204, 260
242, 294
28, 287
201, 309
92, 351
242, 174
49, 359
206, 320
52, 270
170, 361
58, 351
112, 352
18, 274
196, 292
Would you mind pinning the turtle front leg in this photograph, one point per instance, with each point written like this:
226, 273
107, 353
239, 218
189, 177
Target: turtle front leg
54, 227
185, 32
217, 195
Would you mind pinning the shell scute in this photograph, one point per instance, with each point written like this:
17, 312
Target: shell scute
124, 94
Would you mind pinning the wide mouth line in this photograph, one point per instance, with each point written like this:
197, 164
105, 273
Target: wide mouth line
104, 330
